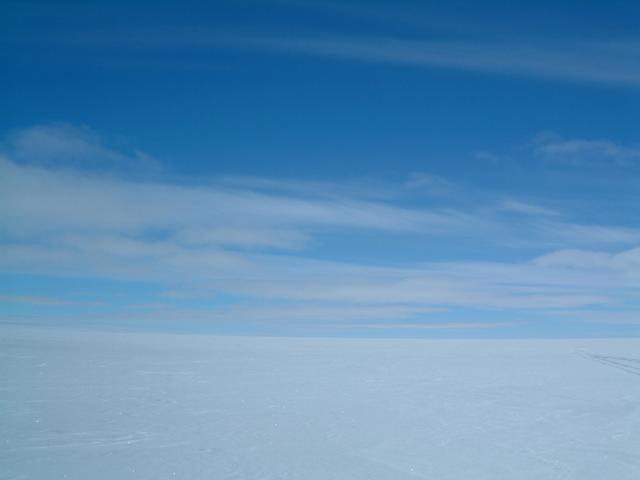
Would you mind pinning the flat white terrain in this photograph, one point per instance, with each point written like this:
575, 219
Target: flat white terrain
93, 405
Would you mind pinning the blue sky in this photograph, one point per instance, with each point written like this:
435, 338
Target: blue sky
322, 168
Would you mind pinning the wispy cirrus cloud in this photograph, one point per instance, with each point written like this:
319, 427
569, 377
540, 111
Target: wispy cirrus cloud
132, 207
627, 260
526, 208
584, 152
428, 182
62, 144
439, 326
552, 153
612, 62
256, 240
607, 63
39, 300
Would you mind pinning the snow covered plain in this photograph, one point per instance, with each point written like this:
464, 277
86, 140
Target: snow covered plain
91, 405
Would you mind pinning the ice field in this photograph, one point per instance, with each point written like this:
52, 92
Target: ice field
95, 405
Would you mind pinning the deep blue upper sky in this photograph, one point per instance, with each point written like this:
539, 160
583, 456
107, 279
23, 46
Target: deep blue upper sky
418, 168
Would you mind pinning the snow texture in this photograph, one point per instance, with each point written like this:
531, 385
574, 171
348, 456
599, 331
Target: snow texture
91, 405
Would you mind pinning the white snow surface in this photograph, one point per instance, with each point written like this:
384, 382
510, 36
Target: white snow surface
96, 405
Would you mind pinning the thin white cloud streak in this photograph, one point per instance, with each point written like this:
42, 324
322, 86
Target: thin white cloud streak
98, 226
626, 261
370, 189
430, 183
526, 208
64, 144
607, 317
580, 151
491, 285
279, 278
40, 300
613, 63
244, 237
439, 326
487, 285
214, 238
566, 233
554, 151
296, 312
282, 314
132, 207
67, 202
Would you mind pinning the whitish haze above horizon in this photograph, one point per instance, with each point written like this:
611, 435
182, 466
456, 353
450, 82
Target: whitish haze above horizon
322, 168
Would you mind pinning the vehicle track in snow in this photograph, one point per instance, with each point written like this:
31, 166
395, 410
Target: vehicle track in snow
626, 364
